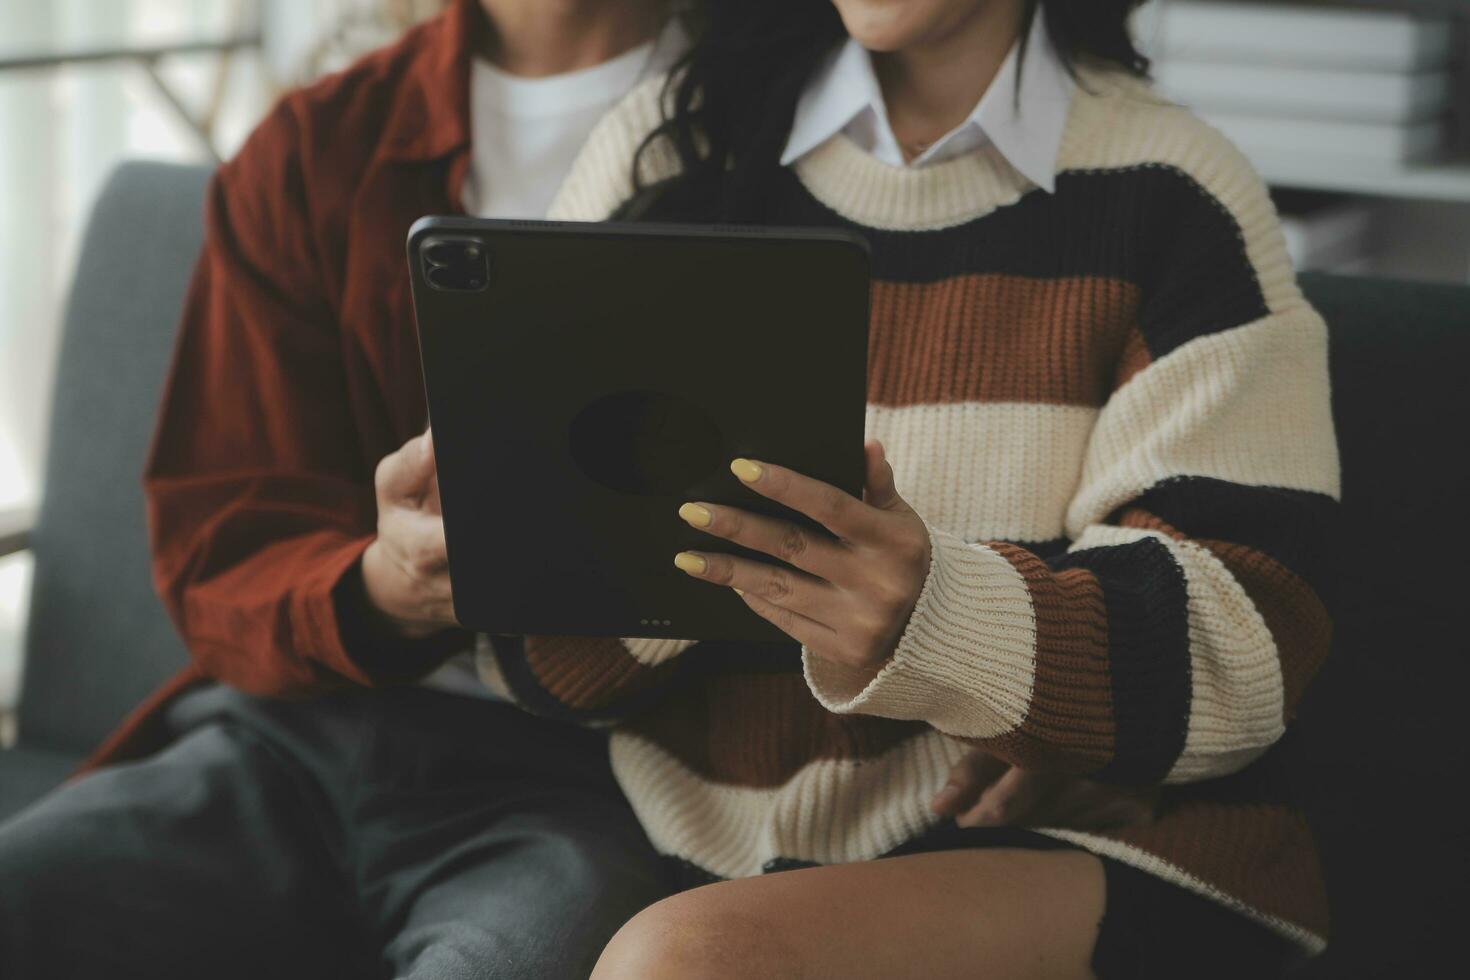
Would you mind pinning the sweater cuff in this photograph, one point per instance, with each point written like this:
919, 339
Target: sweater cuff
967, 658
336, 625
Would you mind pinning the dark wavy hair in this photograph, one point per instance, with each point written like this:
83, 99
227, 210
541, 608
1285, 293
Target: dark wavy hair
731, 99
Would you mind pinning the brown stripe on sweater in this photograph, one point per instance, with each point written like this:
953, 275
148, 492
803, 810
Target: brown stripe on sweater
1262, 854
1298, 621
1070, 718
584, 672
999, 338
1134, 358
1293, 612
759, 730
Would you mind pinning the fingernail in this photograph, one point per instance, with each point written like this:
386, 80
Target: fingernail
945, 797
696, 515
746, 470
739, 591
688, 561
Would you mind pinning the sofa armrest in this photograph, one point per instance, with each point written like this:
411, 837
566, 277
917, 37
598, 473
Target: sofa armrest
15, 530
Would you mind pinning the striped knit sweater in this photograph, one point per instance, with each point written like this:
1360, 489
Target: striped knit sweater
1110, 406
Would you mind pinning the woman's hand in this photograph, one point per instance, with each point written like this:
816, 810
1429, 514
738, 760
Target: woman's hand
405, 571
851, 594
984, 791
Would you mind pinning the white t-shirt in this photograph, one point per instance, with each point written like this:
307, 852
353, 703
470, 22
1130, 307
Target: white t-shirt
525, 134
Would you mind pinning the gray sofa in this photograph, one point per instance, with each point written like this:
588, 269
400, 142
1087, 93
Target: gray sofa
1376, 757
97, 640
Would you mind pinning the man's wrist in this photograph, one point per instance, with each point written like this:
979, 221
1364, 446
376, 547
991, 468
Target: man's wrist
374, 613
372, 640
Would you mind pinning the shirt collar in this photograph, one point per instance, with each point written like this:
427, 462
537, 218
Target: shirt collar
844, 89
431, 119
844, 96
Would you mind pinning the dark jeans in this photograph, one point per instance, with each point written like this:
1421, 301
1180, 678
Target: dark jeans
408, 833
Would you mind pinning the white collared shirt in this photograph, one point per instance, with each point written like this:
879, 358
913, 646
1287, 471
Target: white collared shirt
844, 96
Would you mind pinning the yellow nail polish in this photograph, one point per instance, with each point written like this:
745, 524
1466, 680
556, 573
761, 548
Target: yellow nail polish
696, 515
688, 561
746, 470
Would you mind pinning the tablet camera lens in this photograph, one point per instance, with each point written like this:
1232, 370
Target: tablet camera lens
455, 264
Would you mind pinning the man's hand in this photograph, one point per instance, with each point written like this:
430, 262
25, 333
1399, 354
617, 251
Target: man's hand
405, 571
983, 791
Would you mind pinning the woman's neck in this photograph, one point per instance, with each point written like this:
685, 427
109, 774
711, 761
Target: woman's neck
536, 38
931, 86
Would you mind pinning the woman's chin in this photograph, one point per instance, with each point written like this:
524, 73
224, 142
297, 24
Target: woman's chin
880, 25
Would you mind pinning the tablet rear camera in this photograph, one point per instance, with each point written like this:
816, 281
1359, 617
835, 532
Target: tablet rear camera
455, 263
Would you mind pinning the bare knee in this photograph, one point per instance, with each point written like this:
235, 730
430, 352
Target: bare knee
697, 935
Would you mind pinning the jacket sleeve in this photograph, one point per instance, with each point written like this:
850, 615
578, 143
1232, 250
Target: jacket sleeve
260, 499
1173, 637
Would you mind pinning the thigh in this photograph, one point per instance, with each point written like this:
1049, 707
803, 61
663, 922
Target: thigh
961, 914
534, 897
196, 862
496, 844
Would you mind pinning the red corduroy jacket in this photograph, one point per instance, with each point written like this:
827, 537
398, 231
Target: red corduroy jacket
296, 370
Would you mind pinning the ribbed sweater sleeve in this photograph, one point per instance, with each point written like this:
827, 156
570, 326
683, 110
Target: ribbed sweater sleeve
1173, 637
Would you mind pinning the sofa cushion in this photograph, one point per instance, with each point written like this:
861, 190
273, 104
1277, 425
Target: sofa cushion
97, 639
28, 774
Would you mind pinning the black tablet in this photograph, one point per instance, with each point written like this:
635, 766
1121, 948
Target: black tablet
584, 380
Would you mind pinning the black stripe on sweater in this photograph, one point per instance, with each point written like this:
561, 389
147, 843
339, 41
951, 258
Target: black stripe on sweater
1148, 654
1293, 527
527, 691
1194, 275
1152, 225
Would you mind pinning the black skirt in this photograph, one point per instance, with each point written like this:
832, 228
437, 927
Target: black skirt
1151, 929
